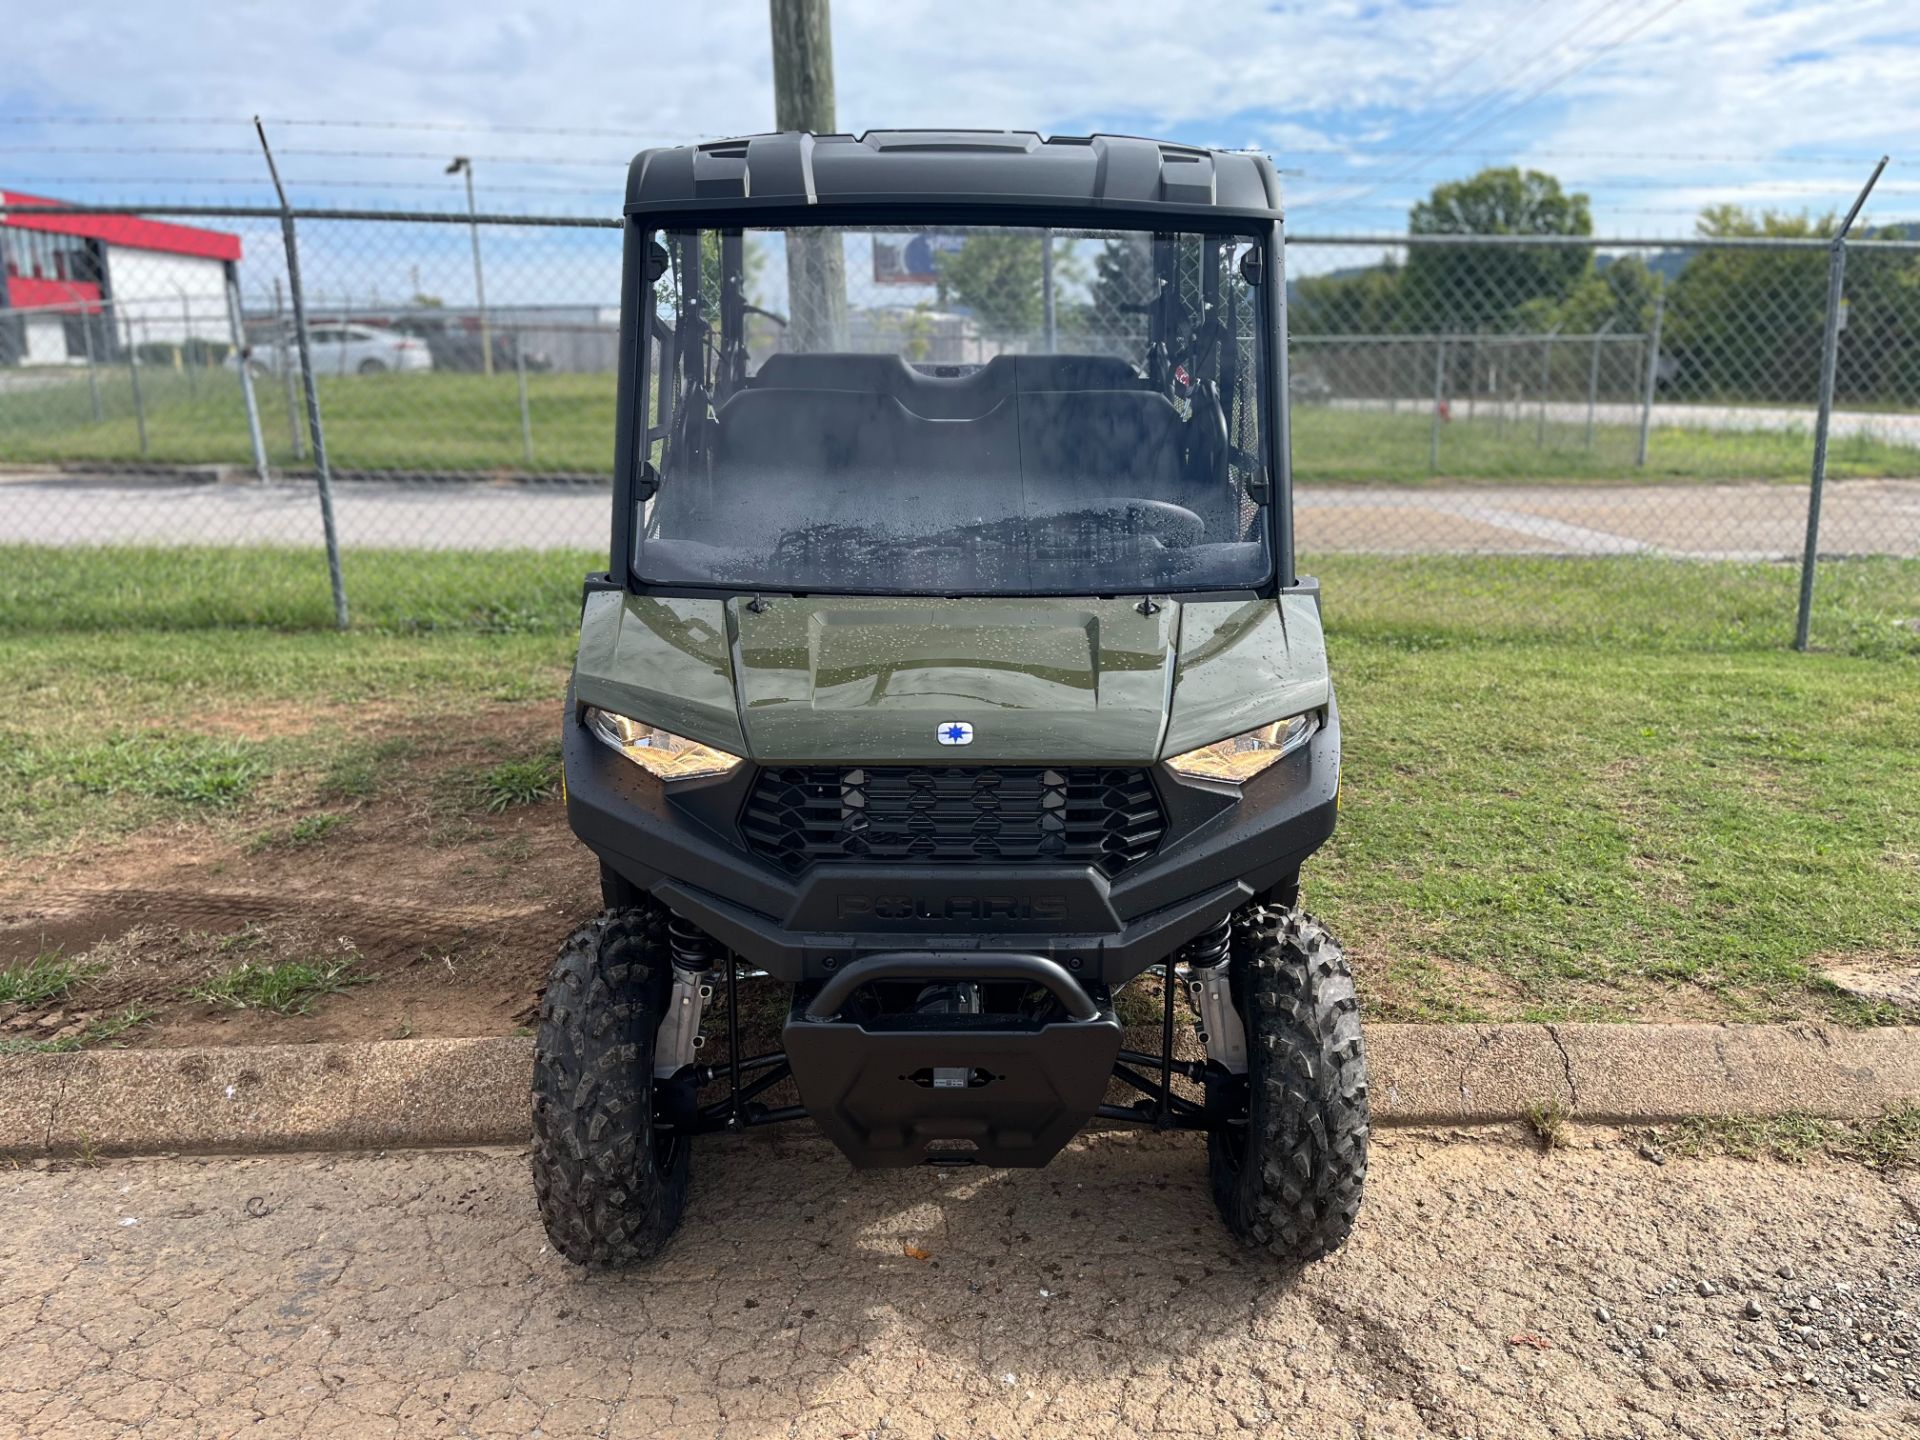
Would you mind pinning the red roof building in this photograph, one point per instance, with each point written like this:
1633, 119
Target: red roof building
130, 279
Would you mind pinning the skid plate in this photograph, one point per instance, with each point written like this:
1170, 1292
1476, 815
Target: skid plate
952, 1094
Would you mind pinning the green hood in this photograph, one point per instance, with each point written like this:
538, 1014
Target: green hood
1062, 681
871, 679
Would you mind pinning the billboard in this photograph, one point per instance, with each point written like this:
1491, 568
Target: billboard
913, 257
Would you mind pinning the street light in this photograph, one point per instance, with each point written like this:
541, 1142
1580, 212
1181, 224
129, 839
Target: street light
463, 165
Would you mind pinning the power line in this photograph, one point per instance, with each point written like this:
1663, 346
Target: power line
1505, 33
1499, 86
448, 126
1700, 157
583, 188
1590, 60
1571, 71
1849, 185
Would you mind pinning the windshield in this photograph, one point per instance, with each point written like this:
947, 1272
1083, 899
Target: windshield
955, 410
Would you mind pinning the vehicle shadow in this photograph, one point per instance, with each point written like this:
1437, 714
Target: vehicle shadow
1004, 1281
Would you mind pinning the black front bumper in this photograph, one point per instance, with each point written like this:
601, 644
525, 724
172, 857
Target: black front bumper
955, 1089
683, 844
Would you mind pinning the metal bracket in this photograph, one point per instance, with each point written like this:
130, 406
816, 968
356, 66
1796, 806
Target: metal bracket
1221, 1029
679, 1038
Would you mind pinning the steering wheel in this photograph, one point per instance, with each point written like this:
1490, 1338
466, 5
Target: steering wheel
1174, 526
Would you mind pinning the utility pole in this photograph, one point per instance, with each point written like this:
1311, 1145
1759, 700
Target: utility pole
803, 100
462, 165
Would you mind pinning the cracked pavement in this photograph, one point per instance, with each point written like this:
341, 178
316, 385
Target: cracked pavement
1490, 1290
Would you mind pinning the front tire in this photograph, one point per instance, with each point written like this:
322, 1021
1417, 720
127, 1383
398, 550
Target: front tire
611, 1186
1289, 1165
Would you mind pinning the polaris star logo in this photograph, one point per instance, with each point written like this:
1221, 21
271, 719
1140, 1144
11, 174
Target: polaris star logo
954, 732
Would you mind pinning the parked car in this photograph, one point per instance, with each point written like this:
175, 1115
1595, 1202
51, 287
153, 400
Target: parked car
340, 348
1308, 386
455, 345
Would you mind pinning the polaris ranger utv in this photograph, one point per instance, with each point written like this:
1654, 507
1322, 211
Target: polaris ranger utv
951, 671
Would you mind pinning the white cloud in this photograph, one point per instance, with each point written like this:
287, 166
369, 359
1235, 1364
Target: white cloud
1748, 78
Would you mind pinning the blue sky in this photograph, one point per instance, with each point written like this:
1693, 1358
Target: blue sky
1653, 107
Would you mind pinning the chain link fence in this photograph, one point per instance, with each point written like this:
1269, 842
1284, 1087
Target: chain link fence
1453, 397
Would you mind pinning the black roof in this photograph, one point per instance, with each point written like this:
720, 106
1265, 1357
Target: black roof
953, 171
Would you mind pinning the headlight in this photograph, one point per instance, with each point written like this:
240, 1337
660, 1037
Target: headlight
657, 752
1241, 757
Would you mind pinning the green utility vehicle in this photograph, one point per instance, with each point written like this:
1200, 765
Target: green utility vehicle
950, 671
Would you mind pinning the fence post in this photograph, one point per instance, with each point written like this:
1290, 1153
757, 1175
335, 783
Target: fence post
321, 473
283, 360
185, 350
1546, 379
1593, 376
1829, 365
1652, 376
133, 373
526, 416
93, 379
1439, 403
1049, 314
243, 362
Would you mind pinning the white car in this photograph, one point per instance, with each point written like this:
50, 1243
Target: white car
344, 349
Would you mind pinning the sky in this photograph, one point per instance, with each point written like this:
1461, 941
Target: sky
1651, 107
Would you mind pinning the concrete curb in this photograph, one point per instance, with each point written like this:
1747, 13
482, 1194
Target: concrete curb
408, 1093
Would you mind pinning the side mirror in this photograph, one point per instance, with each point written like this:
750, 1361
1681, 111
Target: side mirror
656, 261
1253, 268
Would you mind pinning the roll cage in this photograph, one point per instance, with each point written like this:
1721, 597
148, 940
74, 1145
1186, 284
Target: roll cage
704, 361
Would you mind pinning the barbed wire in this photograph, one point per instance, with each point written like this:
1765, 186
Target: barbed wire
1515, 153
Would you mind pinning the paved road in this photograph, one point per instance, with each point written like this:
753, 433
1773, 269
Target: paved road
1749, 521
1894, 427
1490, 1291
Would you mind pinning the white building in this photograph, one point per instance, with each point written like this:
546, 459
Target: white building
109, 281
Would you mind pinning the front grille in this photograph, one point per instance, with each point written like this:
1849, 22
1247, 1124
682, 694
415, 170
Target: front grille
1079, 815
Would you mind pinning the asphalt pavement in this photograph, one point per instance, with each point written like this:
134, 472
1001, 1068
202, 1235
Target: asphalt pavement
1747, 521
1606, 1289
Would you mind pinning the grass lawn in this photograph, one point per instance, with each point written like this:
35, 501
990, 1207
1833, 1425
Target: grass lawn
471, 423
1624, 797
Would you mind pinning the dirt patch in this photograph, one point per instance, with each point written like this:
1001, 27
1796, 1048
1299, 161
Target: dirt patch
1886, 979
449, 914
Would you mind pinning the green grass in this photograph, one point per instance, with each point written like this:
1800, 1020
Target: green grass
155, 765
470, 424
101, 1032
63, 771
503, 593
1547, 1119
1890, 1141
1867, 608
45, 977
1572, 788
520, 782
287, 987
307, 830
440, 422
1544, 830
1381, 447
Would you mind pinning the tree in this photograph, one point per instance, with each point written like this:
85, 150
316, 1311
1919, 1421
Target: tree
1350, 302
1747, 323
1474, 287
996, 275
1618, 298
1112, 318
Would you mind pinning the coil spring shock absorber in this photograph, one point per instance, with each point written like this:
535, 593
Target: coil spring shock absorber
693, 953
692, 947
1221, 1028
